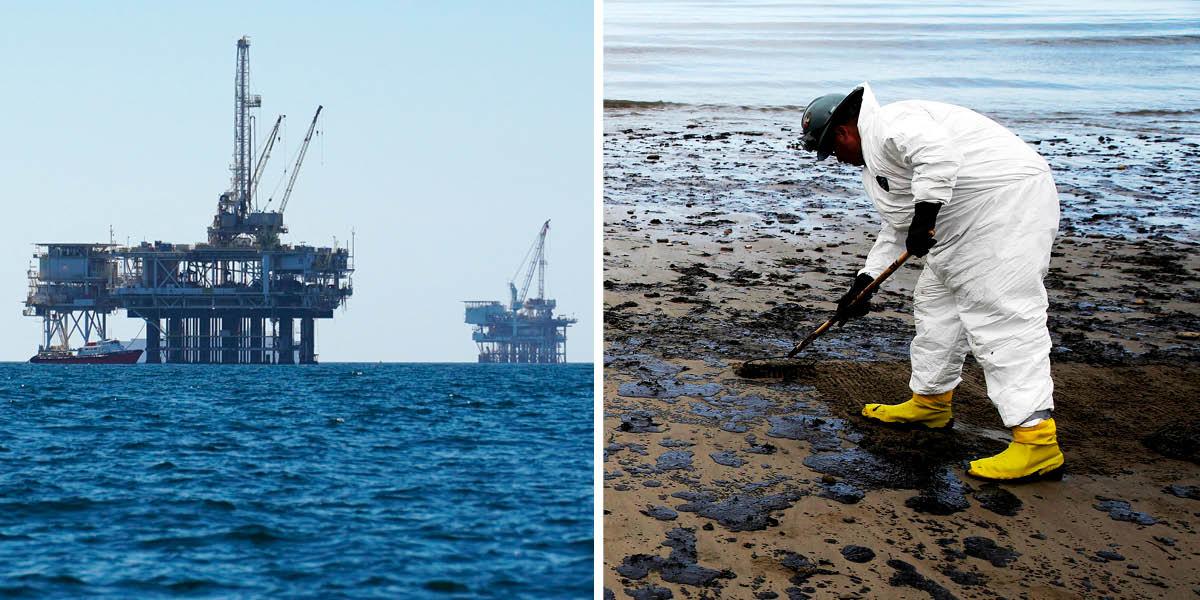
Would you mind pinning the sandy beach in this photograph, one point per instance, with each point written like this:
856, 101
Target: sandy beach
722, 244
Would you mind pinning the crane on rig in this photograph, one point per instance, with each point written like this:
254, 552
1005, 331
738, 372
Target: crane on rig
266, 155
536, 264
287, 194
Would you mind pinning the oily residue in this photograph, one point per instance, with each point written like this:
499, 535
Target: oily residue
997, 499
945, 494
1121, 510
740, 512
907, 575
680, 566
821, 433
727, 458
986, 549
1176, 440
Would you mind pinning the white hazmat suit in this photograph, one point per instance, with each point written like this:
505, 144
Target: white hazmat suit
981, 288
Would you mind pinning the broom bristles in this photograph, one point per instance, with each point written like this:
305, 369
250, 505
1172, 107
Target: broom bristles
782, 368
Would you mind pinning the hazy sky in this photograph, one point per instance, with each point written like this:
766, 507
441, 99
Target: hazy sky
451, 131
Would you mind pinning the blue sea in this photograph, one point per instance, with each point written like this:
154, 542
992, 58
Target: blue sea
326, 481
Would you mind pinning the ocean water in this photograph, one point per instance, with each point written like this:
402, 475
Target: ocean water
997, 57
327, 481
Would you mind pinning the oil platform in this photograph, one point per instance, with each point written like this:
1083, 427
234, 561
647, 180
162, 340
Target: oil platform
235, 299
526, 331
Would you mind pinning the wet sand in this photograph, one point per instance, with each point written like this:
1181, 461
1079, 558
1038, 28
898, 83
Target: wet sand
722, 245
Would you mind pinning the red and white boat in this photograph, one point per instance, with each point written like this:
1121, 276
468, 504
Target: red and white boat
103, 352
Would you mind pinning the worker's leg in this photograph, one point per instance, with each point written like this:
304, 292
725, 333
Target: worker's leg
1002, 303
937, 354
996, 278
940, 345
1005, 316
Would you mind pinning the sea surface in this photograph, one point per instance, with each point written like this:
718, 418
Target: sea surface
326, 481
1049, 56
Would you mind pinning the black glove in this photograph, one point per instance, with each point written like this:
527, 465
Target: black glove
846, 310
920, 232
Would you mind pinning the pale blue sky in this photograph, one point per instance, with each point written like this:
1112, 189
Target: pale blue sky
451, 131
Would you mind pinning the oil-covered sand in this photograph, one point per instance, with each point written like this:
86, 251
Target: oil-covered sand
721, 245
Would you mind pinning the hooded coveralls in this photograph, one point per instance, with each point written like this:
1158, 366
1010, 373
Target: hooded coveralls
981, 288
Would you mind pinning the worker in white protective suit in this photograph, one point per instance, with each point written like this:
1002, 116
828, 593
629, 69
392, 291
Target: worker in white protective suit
935, 169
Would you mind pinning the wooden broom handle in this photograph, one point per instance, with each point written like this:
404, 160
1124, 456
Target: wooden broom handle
863, 295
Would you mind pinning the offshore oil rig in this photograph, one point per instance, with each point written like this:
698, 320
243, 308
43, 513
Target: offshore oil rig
234, 299
526, 331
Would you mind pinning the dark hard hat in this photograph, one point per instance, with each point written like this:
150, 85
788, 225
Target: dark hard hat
819, 117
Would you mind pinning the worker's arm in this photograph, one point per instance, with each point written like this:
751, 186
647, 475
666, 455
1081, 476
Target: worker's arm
922, 144
888, 246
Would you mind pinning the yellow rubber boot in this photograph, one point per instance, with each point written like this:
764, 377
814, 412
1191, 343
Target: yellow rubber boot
930, 412
1033, 453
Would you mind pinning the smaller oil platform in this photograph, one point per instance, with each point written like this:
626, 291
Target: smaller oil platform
526, 331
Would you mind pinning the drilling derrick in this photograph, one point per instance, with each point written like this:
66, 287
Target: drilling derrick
235, 299
234, 206
526, 331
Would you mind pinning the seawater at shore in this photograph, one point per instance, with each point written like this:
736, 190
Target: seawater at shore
1028, 57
